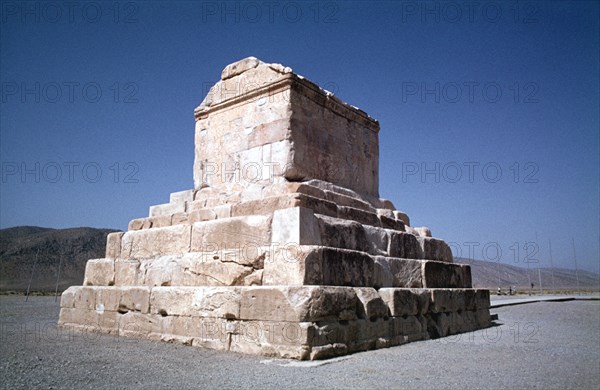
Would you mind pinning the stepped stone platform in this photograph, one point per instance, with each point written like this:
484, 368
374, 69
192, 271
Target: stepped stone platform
283, 247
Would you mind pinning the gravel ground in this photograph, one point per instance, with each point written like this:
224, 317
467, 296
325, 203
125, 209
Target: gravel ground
538, 345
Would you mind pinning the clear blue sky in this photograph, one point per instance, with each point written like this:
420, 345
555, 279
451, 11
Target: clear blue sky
498, 104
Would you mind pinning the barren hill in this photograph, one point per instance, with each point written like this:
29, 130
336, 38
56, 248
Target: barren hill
492, 275
20, 245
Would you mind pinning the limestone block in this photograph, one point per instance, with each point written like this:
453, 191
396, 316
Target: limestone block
127, 272
438, 274
217, 268
423, 232
180, 218
107, 322
85, 298
166, 209
382, 275
156, 242
402, 217
136, 224
482, 299
254, 278
482, 318
161, 221
345, 268
391, 223
371, 304
107, 299
377, 239
214, 333
134, 299
291, 264
406, 273
180, 328
434, 249
348, 201
438, 324
239, 67
263, 206
286, 187
319, 206
202, 215
83, 319
404, 245
113, 245
401, 302
361, 216
444, 300
67, 299
99, 272
328, 351
207, 302
181, 196
340, 233
373, 331
409, 328
223, 210
296, 225
263, 134
134, 323
279, 339
232, 232
305, 303
385, 213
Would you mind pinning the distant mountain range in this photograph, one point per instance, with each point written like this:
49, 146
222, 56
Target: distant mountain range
20, 245
492, 275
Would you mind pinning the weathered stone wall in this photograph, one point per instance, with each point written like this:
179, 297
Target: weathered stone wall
263, 123
310, 322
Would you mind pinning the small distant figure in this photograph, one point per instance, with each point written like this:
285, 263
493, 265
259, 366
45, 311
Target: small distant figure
510, 290
499, 291
532, 286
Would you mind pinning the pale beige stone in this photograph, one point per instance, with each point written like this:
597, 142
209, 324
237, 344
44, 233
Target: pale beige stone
156, 242
371, 304
161, 221
213, 302
113, 245
127, 272
423, 231
181, 196
296, 225
235, 232
402, 217
166, 209
306, 303
239, 67
85, 298
136, 224
434, 249
99, 272
67, 299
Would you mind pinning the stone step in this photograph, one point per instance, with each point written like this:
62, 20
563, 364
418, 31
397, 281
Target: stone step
231, 231
321, 265
323, 198
275, 265
308, 322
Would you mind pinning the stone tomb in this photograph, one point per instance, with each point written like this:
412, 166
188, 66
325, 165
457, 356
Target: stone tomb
283, 247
